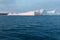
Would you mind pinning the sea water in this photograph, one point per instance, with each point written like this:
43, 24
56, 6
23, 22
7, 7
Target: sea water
30, 27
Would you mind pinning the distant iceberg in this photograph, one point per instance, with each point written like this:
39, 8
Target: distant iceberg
34, 13
47, 12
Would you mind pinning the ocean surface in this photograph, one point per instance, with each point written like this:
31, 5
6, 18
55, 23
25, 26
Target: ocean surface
30, 27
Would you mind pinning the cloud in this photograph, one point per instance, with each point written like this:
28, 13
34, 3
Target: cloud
28, 5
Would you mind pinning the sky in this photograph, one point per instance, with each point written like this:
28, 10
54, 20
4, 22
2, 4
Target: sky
28, 5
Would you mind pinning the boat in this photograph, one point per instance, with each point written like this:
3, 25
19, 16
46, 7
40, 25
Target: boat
37, 14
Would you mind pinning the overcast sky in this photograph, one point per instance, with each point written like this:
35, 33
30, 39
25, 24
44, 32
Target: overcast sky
28, 5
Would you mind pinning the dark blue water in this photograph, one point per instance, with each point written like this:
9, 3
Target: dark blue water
29, 28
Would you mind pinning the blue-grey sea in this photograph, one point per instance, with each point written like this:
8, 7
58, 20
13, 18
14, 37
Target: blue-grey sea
30, 27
